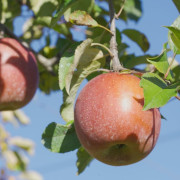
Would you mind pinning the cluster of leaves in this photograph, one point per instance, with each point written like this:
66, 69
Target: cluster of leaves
66, 63
15, 150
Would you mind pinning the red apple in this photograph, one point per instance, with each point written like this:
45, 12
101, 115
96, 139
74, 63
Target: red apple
110, 122
18, 75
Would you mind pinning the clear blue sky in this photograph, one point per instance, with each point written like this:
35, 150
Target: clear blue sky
161, 164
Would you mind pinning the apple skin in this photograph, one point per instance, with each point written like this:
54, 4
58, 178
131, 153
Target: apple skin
110, 122
18, 75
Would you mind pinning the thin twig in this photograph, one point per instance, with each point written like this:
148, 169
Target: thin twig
113, 44
169, 68
121, 9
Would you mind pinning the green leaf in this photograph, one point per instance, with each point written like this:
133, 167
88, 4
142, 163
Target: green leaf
176, 70
63, 29
174, 30
64, 66
173, 39
65, 63
79, 52
99, 35
86, 60
156, 92
162, 117
175, 36
43, 7
84, 159
177, 4
60, 138
82, 18
161, 63
44, 21
48, 82
66, 7
15, 160
47, 8
79, 5
63, 6
138, 38
130, 61
67, 108
133, 9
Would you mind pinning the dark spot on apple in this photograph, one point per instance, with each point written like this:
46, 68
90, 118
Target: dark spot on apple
120, 146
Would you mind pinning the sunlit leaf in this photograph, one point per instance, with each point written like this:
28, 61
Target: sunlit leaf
79, 5
60, 138
44, 21
30, 175
172, 38
86, 60
67, 108
175, 36
21, 117
161, 63
84, 159
65, 63
15, 160
79, 52
8, 116
82, 18
23, 143
3, 133
156, 92
43, 7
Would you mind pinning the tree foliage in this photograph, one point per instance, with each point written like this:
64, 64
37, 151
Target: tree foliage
65, 63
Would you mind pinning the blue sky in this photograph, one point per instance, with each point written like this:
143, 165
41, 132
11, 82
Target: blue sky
161, 164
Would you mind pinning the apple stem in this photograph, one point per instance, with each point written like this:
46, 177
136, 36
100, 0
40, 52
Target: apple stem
116, 65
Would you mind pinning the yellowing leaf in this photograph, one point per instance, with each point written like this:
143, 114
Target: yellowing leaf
82, 18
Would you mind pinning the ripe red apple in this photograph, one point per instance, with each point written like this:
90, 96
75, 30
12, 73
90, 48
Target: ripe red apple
110, 122
18, 75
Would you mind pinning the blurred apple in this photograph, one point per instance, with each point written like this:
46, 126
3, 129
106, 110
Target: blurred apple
18, 75
110, 121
